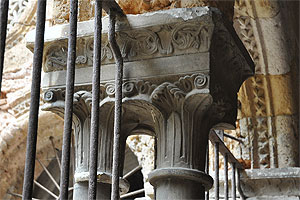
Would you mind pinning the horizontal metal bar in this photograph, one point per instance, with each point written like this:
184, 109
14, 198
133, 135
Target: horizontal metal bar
214, 138
132, 193
49, 174
19, 195
46, 189
232, 137
132, 172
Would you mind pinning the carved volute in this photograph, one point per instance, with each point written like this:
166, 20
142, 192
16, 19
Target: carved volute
182, 71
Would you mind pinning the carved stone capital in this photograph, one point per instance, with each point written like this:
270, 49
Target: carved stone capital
182, 71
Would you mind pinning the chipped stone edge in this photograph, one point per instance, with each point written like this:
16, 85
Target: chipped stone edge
86, 28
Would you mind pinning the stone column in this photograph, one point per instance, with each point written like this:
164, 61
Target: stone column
80, 144
182, 139
183, 68
269, 111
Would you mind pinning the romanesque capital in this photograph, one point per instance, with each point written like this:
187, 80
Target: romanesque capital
182, 71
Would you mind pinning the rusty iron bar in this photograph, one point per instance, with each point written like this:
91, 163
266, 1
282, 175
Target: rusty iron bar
65, 163
207, 169
3, 30
233, 182
242, 195
214, 137
34, 100
232, 137
55, 151
92, 192
115, 194
226, 188
130, 194
134, 170
217, 184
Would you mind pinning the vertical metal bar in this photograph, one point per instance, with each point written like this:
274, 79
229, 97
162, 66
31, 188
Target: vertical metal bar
226, 188
115, 195
217, 185
3, 29
242, 195
207, 169
65, 164
233, 181
95, 101
34, 101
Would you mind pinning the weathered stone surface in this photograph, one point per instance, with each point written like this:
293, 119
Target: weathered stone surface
268, 95
270, 142
86, 7
178, 105
257, 8
143, 147
271, 183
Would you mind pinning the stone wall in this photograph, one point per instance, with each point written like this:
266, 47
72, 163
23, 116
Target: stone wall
86, 7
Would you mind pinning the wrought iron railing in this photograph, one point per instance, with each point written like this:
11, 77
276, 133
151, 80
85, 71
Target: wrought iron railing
113, 10
217, 140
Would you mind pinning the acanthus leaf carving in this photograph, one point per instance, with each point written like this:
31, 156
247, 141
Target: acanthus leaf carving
55, 102
56, 58
170, 96
158, 41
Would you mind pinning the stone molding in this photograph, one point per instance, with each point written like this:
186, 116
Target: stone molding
157, 41
20, 20
269, 142
177, 86
271, 183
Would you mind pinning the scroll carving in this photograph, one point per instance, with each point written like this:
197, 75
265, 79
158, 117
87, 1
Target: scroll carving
164, 40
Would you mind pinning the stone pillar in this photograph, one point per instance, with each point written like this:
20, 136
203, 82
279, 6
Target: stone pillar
81, 126
182, 71
269, 101
182, 139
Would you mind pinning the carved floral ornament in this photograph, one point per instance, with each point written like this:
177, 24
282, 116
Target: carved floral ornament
155, 94
158, 41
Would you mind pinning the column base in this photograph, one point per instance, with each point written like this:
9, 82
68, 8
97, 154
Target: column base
180, 183
103, 187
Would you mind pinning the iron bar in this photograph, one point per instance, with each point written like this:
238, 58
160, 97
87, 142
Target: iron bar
132, 171
242, 195
46, 189
214, 137
34, 101
226, 188
115, 195
95, 101
232, 137
3, 30
55, 152
233, 183
49, 174
217, 184
207, 169
18, 195
65, 163
132, 193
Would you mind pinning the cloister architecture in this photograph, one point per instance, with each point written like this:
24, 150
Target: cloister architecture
189, 66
